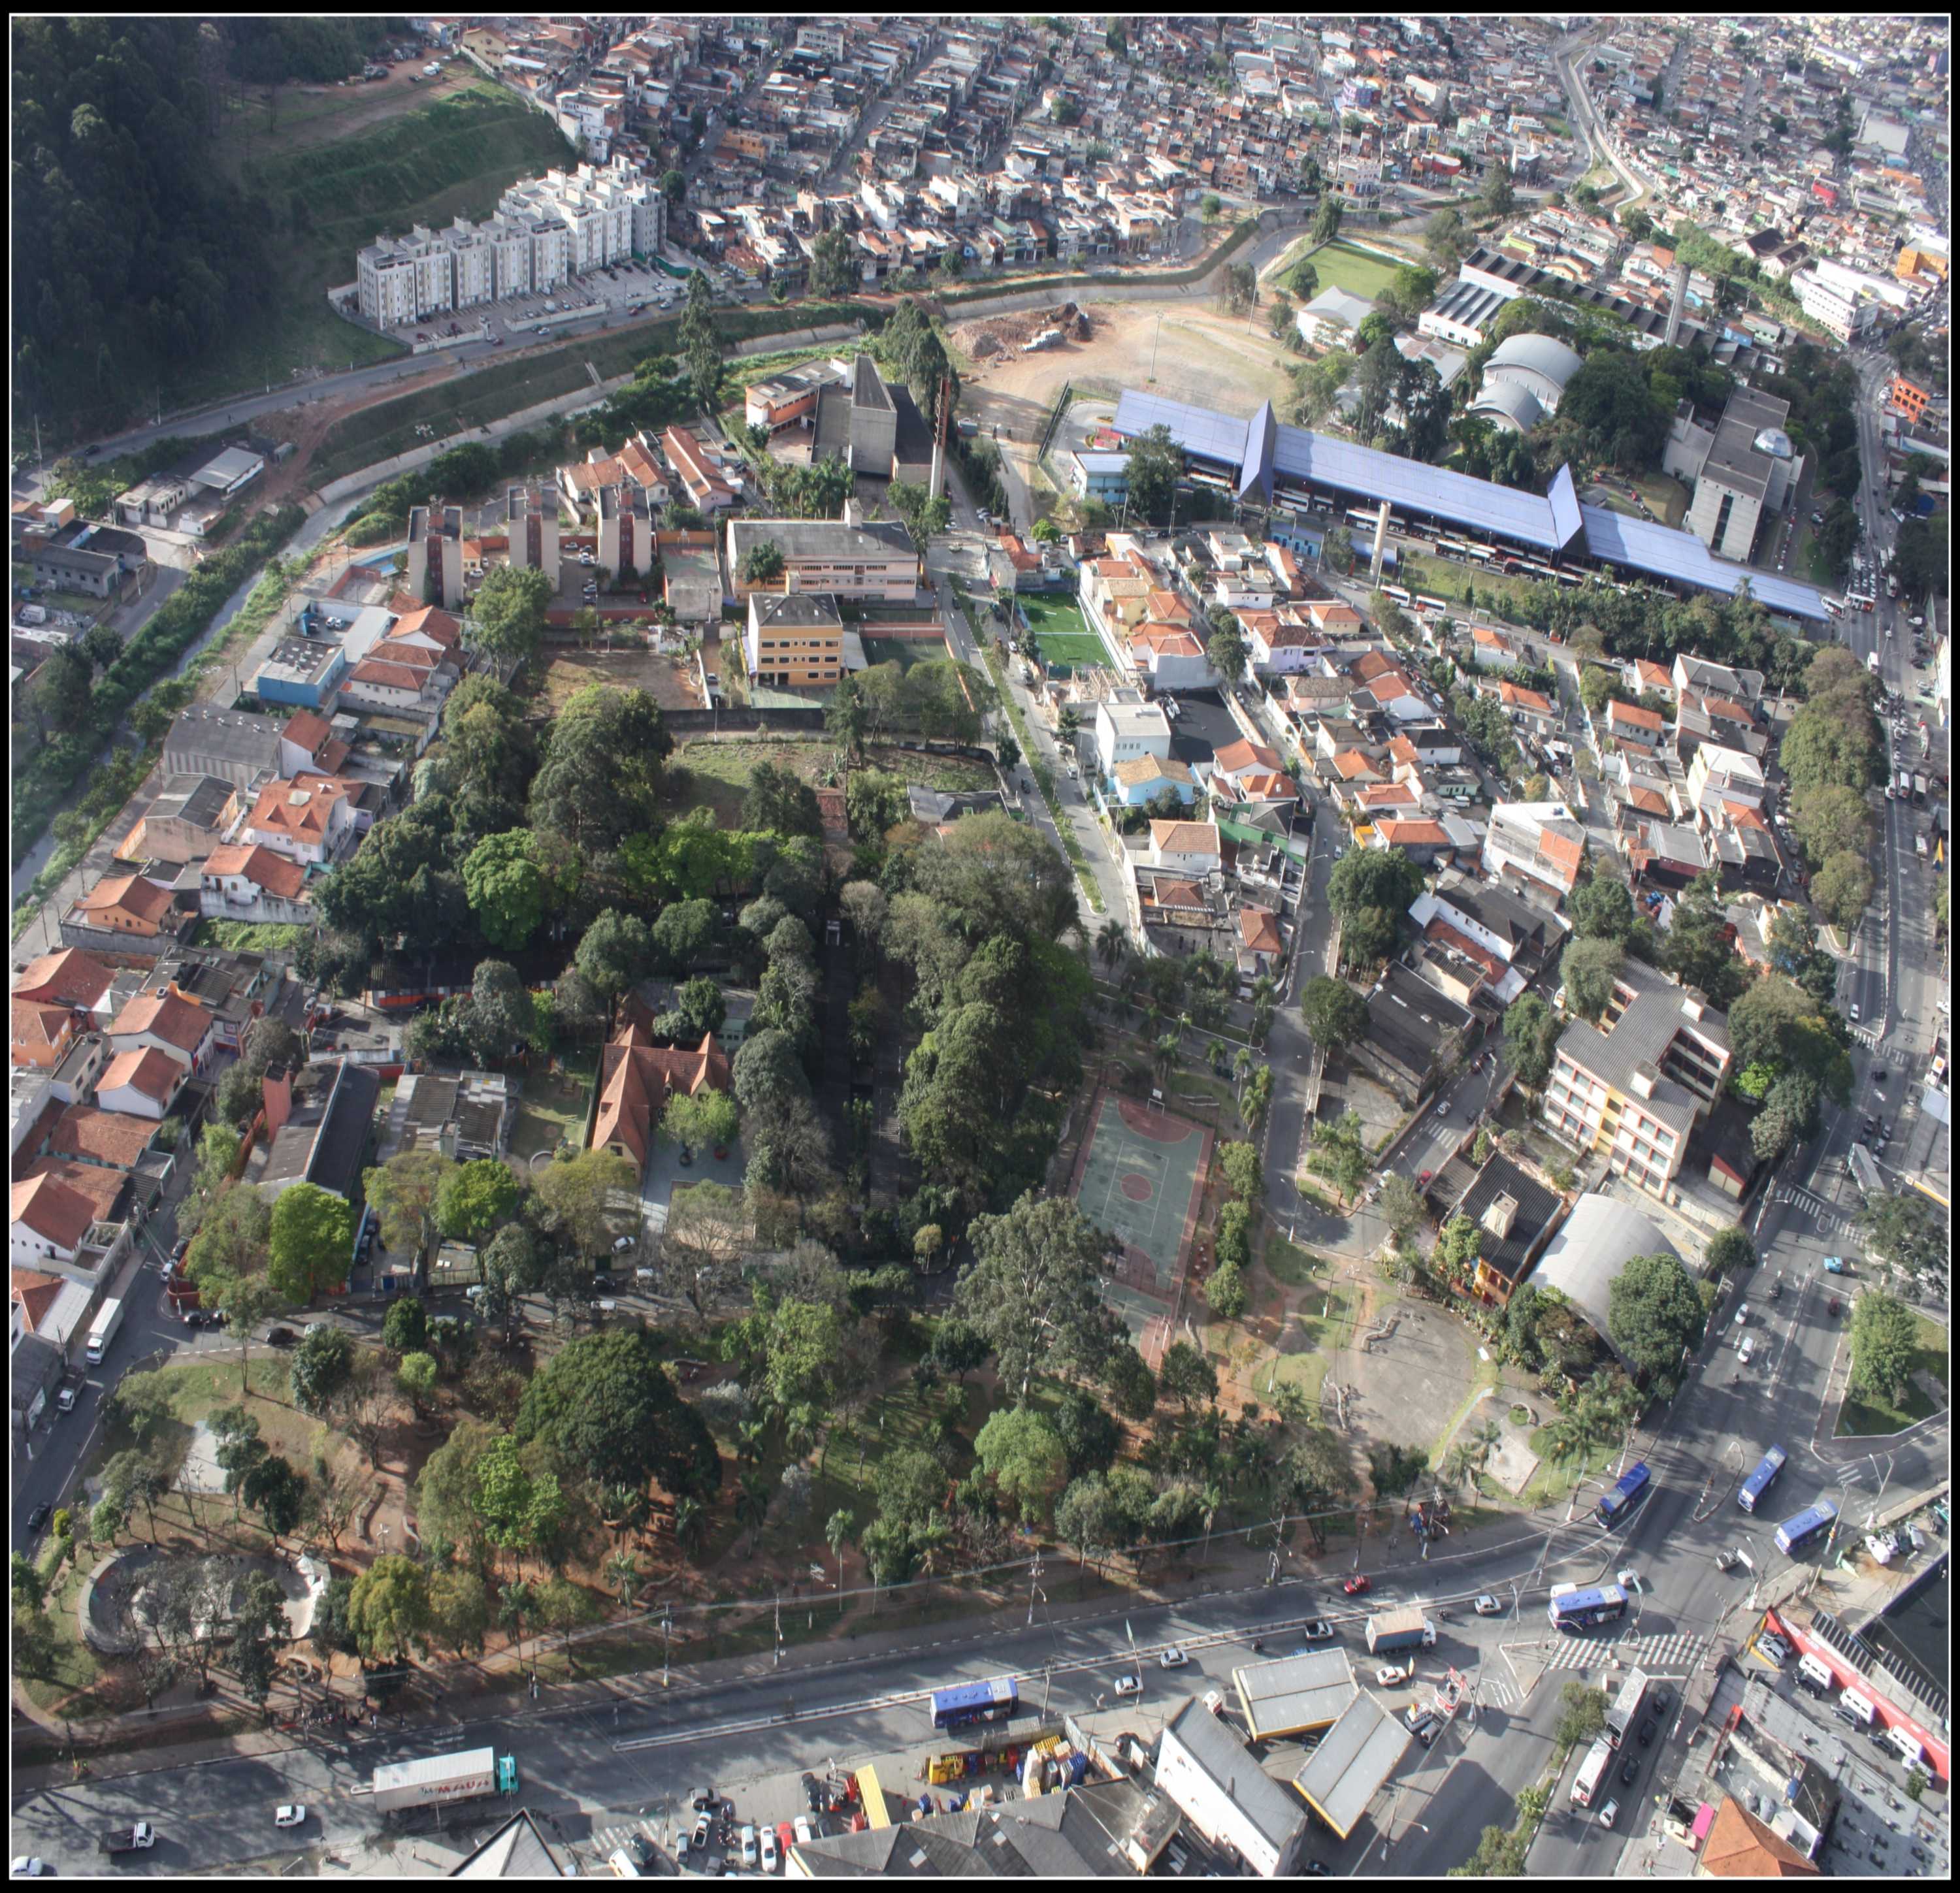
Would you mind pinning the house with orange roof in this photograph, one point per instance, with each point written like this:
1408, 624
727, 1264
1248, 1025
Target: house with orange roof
1537, 846
244, 882
1185, 848
1170, 656
1641, 675
138, 914
707, 491
1419, 837
111, 1138
1352, 768
60, 1222
636, 1079
1261, 943
69, 985
1628, 723
1490, 650
1738, 1846
1532, 708
308, 818
168, 1022
41, 1033
1246, 758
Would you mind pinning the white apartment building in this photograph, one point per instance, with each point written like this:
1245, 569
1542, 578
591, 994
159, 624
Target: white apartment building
545, 230
1127, 726
1846, 301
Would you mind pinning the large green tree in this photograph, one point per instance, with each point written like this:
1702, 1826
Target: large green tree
600, 778
1156, 464
1035, 1292
1333, 1013
606, 1407
506, 617
1655, 1318
508, 891
310, 1244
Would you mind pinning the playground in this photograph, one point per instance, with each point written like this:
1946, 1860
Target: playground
1139, 1176
1056, 629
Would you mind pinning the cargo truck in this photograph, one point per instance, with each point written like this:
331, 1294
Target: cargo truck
104, 1332
436, 1780
129, 1840
1400, 1630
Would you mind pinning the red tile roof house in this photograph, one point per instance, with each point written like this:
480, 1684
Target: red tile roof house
637, 1077
128, 904
168, 1022
56, 996
243, 882
142, 1082
1627, 723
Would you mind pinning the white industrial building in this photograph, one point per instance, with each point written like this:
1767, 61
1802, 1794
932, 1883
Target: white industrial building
1203, 1765
1524, 381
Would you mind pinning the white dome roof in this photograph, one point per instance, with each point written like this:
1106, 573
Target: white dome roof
1544, 355
1774, 441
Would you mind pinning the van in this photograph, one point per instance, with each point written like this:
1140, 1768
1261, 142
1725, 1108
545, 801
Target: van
620, 1861
1810, 1671
1855, 1708
1910, 1750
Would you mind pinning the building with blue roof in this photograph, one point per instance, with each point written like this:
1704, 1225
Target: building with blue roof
1262, 461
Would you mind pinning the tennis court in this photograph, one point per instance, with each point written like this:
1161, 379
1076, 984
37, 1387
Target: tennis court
1139, 1177
1056, 627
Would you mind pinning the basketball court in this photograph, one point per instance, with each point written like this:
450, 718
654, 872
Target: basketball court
1139, 1176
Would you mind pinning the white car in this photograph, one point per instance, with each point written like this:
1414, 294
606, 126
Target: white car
1488, 1606
1629, 1580
28, 1866
805, 1833
772, 1854
1172, 1659
1746, 1352
1388, 1675
751, 1845
1608, 1813
1883, 1552
1127, 1686
1743, 1315
1854, 1014
292, 1814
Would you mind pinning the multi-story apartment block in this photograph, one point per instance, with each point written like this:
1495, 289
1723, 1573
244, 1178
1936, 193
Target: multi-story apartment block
435, 555
545, 230
531, 519
795, 639
1633, 1086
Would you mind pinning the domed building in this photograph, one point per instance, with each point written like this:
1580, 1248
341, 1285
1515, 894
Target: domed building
1743, 468
1524, 381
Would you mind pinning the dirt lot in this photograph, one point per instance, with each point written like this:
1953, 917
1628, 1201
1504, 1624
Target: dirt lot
666, 680
1201, 355
1000, 335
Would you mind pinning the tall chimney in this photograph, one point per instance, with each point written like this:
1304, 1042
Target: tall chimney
276, 1089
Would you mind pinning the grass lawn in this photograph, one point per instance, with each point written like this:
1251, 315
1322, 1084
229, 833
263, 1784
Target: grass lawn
1666, 497
248, 936
1060, 635
1340, 265
1289, 1263
1871, 1413
904, 652
553, 1106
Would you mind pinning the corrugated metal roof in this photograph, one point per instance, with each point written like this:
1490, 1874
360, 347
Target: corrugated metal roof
1680, 556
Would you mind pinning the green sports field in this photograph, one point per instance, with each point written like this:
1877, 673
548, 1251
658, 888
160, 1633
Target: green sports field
1056, 626
1360, 272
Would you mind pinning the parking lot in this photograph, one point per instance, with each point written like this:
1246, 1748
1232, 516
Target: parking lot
603, 296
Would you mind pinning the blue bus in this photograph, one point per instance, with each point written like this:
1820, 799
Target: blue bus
1581, 1610
1612, 1508
1794, 1534
993, 1701
1759, 1481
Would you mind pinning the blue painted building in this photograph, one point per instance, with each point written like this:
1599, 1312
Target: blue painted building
1100, 476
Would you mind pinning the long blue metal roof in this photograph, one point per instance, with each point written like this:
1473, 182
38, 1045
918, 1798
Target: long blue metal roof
1552, 523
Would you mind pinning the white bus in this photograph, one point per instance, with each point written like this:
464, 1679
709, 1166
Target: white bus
1434, 607
1592, 1772
1395, 592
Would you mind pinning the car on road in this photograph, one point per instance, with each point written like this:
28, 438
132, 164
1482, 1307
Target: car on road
1127, 1686
1743, 1315
1172, 1659
1835, 1265
1388, 1675
1834, 1305
1356, 1586
1608, 1813
640, 1850
683, 1846
1423, 1176
1854, 1009
1646, 1732
1628, 1769
38, 1517
292, 1814
1488, 1606
279, 1337
1746, 1352
812, 1790
1318, 1631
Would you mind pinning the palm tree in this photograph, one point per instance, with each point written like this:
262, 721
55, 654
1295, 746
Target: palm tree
690, 1523
1214, 1499
514, 1605
801, 1427
1112, 943
1484, 1438
751, 1504
837, 1531
1163, 1058
1242, 1070
1459, 1463
622, 1571
748, 1437
930, 1536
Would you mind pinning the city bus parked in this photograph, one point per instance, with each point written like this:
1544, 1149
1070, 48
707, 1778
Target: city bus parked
1592, 1772
993, 1700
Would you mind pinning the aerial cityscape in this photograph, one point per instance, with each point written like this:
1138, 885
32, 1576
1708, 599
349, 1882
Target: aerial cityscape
993, 946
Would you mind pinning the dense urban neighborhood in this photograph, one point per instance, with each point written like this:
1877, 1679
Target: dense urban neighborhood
1003, 945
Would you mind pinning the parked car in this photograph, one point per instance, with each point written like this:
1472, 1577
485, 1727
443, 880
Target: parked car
1388, 1675
280, 1337
1318, 1631
292, 1814
1628, 1769
751, 1852
703, 1827
1647, 1731
771, 1853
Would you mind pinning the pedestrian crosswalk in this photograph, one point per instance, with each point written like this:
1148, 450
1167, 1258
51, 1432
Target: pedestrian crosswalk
1829, 1218
609, 1839
1670, 1653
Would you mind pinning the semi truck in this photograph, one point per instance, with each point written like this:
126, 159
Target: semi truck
129, 1840
436, 1780
104, 1332
1400, 1630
